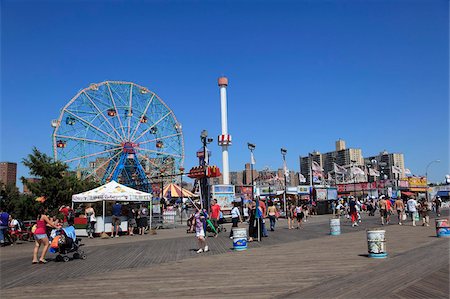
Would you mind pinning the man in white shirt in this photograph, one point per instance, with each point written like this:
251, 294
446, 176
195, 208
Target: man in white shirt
412, 209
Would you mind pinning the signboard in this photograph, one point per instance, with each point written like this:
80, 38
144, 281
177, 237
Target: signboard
266, 191
358, 187
321, 194
417, 182
224, 195
303, 189
332, 194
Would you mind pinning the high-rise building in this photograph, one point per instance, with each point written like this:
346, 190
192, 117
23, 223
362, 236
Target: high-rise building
342, 156
8, 173
384, 163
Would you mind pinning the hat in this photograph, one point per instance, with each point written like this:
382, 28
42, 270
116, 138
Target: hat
382, 196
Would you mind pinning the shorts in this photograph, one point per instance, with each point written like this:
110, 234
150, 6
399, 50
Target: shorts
383, 213
300, 216
40, 236
200, 233
115, 220
132, 222
142, 222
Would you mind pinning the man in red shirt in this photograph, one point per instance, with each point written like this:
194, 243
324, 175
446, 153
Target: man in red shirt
215, 214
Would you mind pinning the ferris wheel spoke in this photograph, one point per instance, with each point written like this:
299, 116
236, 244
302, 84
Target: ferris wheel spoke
161, 138
87, 140
94, 154
130, 109
156, 152
143, 133
94, 171
144, 113
91, 125
104, 117
115, 108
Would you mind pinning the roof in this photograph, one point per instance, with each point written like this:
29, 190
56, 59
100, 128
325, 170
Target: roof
176, 192
112, 191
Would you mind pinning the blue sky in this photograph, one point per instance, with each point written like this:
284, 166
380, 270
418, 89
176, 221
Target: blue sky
301, 73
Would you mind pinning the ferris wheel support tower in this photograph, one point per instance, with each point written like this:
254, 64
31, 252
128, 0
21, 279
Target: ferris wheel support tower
224, 139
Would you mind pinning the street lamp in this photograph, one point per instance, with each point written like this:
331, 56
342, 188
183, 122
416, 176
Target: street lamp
251, 147
283, 153
426, 175
204, 181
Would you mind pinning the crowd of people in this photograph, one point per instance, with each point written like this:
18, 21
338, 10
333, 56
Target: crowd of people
388, 207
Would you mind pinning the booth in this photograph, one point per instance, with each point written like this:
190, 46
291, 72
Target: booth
109, 192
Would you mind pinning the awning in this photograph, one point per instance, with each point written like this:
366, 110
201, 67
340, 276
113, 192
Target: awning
443, 193
406, 193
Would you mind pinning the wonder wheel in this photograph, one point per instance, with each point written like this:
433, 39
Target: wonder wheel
118, 131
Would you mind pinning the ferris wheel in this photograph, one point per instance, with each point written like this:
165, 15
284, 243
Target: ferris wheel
118, 131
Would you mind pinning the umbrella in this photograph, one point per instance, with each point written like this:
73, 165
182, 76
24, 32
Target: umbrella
177, 192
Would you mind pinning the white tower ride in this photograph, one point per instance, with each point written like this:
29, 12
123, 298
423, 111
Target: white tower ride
224, 140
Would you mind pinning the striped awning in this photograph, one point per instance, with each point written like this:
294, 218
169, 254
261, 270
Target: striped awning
174, 191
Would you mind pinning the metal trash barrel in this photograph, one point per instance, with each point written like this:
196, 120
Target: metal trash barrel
239, 239
335, 226
442, 228
376, 243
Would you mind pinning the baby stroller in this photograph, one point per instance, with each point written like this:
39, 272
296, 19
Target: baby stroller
65, 242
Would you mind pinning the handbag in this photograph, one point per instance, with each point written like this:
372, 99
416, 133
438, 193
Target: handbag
404, 216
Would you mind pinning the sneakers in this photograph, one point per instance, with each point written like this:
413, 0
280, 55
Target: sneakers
200, 250
206, 249
117, 236
414, 224
399, 223
112, 236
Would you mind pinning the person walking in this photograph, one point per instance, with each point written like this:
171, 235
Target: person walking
383, 208
437, 205
353, 212
399, 207
299, 214
235, 217
200, 221
215, 215
40, 235
115, 219
412, 209
425, 208
4, 222
290, 216
89, 213
272, 212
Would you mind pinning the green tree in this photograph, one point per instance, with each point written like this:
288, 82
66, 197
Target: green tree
21, 206
56, 183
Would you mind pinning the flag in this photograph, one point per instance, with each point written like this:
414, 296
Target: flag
396, 169
408, 172
339, 169
301, 178
252, 158
374, 172
316, 166
357, 171
286, 171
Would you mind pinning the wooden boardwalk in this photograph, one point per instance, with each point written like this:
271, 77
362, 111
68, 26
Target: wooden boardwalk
298, 264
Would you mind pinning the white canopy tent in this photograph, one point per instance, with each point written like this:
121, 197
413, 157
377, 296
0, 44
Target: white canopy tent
111, 191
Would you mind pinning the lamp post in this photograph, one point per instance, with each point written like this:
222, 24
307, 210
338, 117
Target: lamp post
426, 176
251, 147
204, 181
283, 154
181, 190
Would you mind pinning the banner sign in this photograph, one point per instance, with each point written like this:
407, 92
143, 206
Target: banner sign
332, 194
417, 182
303, 189
357, 187
321, 194
224, 195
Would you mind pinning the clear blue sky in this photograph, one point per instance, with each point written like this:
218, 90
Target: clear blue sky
302, 73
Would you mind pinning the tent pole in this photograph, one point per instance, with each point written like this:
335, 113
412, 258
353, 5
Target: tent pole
151, 213
104, 224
